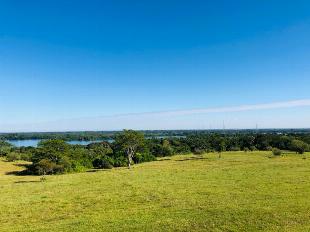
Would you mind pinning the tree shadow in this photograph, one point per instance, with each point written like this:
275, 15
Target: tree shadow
27, 181
21, 165
97, 170
165, 159
192, 158
18, 173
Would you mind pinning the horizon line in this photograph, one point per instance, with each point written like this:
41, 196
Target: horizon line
182, 112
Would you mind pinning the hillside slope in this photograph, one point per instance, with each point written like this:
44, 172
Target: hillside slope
240, 192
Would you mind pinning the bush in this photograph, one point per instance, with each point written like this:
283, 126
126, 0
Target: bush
13, 156
44, 167
167, 151
276, 152
4, 151
120, 161
66, 163
76, 167
143, 157
246, 149
102, 164
234, 149
299, 146
59, 169
25, 157
198, 151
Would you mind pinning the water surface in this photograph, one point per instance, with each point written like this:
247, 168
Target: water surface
35, 142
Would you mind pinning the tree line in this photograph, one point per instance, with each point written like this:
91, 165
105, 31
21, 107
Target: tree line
55, 156
109, 135
66, 136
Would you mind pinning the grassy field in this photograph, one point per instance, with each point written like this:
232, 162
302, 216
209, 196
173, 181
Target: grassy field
240, 192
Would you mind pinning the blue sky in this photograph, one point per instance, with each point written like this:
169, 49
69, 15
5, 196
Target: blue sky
63, 60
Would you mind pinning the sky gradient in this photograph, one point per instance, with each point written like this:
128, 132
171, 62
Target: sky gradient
76, 65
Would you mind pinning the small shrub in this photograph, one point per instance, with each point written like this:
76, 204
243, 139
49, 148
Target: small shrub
13, 156
198, 151
246, 149
235, 148
25, 157
276, 152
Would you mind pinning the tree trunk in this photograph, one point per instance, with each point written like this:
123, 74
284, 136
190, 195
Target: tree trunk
129, 160
129, 156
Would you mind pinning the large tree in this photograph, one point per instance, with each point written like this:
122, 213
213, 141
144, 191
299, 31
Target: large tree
129, 141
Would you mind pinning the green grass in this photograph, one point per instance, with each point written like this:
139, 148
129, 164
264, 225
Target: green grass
240, 192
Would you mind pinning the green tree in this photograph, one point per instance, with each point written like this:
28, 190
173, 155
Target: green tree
166, 148
52, 150
100, 150
5, 148
298, 146
221, 147
129, 141
12, 156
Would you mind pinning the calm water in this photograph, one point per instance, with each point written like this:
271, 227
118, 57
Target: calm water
25, 143
34, 142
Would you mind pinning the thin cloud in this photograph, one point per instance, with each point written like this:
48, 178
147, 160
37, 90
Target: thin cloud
267, 106
150, 120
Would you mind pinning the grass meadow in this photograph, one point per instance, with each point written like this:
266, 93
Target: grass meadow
239, 192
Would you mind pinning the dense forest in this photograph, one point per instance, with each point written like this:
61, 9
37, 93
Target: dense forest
108, 135
66, 136
53, 155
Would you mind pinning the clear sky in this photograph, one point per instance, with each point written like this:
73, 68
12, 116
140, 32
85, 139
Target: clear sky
81, 60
